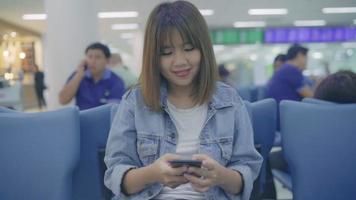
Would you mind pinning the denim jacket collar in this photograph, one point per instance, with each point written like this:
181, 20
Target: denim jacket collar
220, 99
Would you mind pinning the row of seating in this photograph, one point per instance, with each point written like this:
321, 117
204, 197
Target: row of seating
318, 139
55, 155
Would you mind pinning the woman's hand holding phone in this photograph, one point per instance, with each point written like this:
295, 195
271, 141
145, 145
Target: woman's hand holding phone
168, 175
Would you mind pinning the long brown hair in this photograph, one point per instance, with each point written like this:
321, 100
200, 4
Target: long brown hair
186, 18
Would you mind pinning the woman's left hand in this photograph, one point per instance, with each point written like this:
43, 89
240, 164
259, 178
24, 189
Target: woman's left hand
209, 175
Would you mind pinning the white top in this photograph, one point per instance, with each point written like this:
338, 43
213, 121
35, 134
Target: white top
189, 124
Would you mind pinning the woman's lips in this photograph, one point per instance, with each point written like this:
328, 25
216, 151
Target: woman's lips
182, 73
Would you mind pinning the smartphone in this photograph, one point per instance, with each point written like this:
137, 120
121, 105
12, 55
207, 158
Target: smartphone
85, 67
188, 163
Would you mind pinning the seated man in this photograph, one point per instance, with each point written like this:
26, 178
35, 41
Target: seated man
93, 84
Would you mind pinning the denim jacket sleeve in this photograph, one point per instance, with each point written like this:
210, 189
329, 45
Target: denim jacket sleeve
245, 159
121, 154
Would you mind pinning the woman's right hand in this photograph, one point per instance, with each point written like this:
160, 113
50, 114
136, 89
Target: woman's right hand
166, 175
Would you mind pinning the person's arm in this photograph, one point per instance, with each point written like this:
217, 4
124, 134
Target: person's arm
136, 180
306, 91
296, 80
213, 174
231, 181
70, 89
244, 159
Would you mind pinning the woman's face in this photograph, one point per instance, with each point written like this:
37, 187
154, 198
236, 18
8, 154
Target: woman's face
179, 62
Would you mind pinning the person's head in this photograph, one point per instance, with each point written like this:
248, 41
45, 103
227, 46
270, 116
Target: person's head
115, 60
177, 50
279, 60
223, 72
339, 87
297, 55
97, 57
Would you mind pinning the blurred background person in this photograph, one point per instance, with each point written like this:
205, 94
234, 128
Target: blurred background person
339, 87
278, 61
93, 84
40, 86
116, 65
224, 75
288, 83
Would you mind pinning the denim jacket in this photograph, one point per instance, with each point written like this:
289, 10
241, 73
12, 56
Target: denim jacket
139, 136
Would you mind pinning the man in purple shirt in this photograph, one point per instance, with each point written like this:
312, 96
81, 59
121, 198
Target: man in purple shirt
287, 83
93, 84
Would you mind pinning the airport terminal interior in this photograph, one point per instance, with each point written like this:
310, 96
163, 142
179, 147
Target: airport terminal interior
307, 141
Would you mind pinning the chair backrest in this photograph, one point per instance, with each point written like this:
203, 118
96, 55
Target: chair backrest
38, 154
318, 101
245, 93
94, 128
319, 146
263, 117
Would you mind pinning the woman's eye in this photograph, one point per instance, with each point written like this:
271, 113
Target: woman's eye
189, 47
166, 52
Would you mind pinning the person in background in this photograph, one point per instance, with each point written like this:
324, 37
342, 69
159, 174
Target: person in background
179, 111
224, 75
279, 60
116, 65
40, 86
92, 84
339, 87
288, 83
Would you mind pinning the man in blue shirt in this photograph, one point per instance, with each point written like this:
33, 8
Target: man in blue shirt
93, 84
287, 83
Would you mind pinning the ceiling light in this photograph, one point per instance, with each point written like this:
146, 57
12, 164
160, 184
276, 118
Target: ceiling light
13, 34
6, 53
309, 23
317, 55
246, 24
34, 16
339, 10
22, 55
125, 14
274, 11
124, 26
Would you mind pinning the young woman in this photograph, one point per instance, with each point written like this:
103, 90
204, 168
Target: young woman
179, 111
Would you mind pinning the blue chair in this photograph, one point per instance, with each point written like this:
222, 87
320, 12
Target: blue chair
261, 92
285, 178
94, 128
319, 146
263, 117
38, 154
318, 101
245, 93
